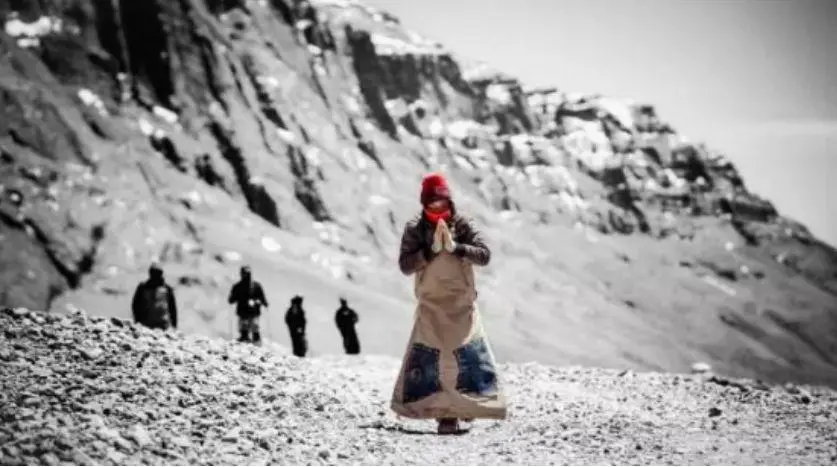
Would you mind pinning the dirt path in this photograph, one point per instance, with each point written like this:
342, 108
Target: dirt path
82, 389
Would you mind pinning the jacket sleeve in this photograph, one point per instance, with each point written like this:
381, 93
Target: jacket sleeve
172, 307
471, 245
411, 257
135, 303
261, 296
232, 298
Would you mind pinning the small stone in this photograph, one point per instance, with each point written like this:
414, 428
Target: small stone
179, 442
139, 435
80, 458
53, 318
50, 459
42, 372
113, 437
11, 451
715, 412
20, 312
567, 434
115, 456
28, 448
94, 419
91, 353
63, 441
123, 444
324, 454
30, 402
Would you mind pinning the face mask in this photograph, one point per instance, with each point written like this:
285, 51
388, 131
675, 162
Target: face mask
435, 216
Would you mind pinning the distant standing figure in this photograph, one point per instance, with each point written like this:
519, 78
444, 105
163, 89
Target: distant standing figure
346, 319
249, 298
295, 319
154, 304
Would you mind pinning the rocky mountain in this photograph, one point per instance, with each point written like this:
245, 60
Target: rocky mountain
292, 136
89, 390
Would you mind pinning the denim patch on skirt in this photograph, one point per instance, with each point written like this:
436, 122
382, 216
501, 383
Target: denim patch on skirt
477, 374
421, 373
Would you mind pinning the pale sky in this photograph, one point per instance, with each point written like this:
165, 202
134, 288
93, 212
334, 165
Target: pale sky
754, 78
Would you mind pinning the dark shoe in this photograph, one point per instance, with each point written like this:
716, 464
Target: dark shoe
257, 338
448, 426
244, 337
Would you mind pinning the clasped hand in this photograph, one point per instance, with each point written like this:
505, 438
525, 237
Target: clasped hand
442, 238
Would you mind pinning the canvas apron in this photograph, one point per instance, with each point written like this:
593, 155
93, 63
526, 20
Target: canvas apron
448, 370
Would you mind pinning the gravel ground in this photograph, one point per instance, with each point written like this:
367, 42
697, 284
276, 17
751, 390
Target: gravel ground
80, 389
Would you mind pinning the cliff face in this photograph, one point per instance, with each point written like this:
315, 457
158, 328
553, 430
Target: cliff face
292, 136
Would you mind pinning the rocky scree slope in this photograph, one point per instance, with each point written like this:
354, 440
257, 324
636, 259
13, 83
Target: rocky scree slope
292, 136
95, 390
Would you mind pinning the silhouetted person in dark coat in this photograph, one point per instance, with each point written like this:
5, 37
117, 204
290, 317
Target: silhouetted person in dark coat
346, 319
295, 319
154, 304
248, 296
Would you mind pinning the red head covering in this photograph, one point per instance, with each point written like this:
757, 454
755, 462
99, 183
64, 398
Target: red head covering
434, 187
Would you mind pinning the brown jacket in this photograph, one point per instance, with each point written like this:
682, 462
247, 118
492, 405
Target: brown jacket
417, 239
